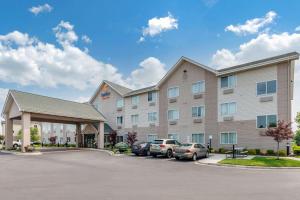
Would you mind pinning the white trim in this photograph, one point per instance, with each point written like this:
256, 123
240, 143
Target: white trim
265, 115
202, 116
204, 141
173, 110
267, 94
173, 87
201, 81
236, 109
220, 138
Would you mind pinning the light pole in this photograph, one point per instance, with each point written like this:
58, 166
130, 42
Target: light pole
210, 138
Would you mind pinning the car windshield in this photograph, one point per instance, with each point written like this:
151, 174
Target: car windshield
158, 141
186, 145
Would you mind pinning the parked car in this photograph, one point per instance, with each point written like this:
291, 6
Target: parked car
190, 151
141, 148
122, 146
163, 147
17, 144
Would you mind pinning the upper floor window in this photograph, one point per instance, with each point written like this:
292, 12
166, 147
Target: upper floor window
173, 92
198, 111
134, 119
228, 108
267, 87
152, 117
265, 121
120, 103
173, 115
198, 87
152, 96
228, 81
135, 100
120, 120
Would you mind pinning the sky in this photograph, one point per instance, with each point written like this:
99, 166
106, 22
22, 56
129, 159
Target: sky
66, 48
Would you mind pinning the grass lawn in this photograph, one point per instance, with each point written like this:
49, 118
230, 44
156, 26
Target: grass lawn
263, 162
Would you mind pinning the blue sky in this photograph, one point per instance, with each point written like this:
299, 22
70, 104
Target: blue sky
103, 36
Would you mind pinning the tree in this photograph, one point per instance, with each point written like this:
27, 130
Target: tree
34, 135
297, 135
52, 140
297, 120
113, 137
282, 131
1, 138
131, 138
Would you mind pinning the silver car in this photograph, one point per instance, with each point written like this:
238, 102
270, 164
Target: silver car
164, 147
190, 151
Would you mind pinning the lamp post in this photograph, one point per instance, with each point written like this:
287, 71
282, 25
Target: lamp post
210, 138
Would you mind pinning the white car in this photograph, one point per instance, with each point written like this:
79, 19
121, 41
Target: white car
17, 143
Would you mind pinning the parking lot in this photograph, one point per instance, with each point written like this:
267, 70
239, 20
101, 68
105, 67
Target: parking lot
97, 175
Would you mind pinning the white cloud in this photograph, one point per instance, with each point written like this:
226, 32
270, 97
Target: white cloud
82, 99
65, 34
252, 26
150, 71
297, 28
40, 9
209, 3
159, 25
3, 94
86, 39
264, 45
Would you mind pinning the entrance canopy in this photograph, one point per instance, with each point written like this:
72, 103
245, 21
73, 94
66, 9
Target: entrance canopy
32, 107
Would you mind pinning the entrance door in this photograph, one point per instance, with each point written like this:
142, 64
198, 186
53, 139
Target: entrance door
89, 140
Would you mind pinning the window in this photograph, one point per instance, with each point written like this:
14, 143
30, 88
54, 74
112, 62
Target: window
265, 121
198, 87
173, 115
152, 137
120, 120
198, 111
68, 139
228, 108
152, 117
198, 138
152, 96
120, 103
135, 100
229, 138
119, 139
134, 119
228, 81
173, 92
268, 87
173, 136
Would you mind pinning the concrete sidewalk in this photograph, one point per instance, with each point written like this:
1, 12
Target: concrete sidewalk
215, 158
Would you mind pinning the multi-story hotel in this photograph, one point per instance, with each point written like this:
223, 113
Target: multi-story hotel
195, 103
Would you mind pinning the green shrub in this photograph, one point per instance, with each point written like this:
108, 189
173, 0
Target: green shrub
121, 146
257, 151
270, 152
282, 152
251, 151
222, 150
297, 152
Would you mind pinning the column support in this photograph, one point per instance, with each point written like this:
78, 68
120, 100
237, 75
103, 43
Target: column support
100, 135
9, 133
26, 122
78, 136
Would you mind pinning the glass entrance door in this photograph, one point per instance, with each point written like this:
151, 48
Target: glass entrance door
89, 141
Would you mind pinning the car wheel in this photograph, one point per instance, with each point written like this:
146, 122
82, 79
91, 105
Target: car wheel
154, 155
148, 153
194, 157
206, 155
169, 153
136, 154
15, 146
177, 158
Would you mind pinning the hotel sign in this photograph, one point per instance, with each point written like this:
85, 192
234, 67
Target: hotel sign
104, 92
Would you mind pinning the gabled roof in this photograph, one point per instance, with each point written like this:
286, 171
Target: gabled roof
140, 91
178, 63
121, 90
33, 103
259, 63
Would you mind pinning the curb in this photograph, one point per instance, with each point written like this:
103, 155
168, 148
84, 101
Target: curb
22, 154
100, 150
243, 167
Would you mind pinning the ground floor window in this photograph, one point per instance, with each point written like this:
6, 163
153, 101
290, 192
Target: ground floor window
152, 137
198, 138
228, 138
119, 138
265, 121
173, 136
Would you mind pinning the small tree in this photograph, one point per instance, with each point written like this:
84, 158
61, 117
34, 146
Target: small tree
34, 135
113, 138
131, 138
297, 135
282, 131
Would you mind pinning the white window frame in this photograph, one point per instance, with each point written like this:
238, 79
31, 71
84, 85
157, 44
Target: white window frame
170, 88
117, 121
227, 132
203, 111
153, 92
137, 100
198, 92
228, 114
229, 87
154, 116
177, 136
137, 121
122, 103
266, 82
199, 134
172, 119
267, 123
